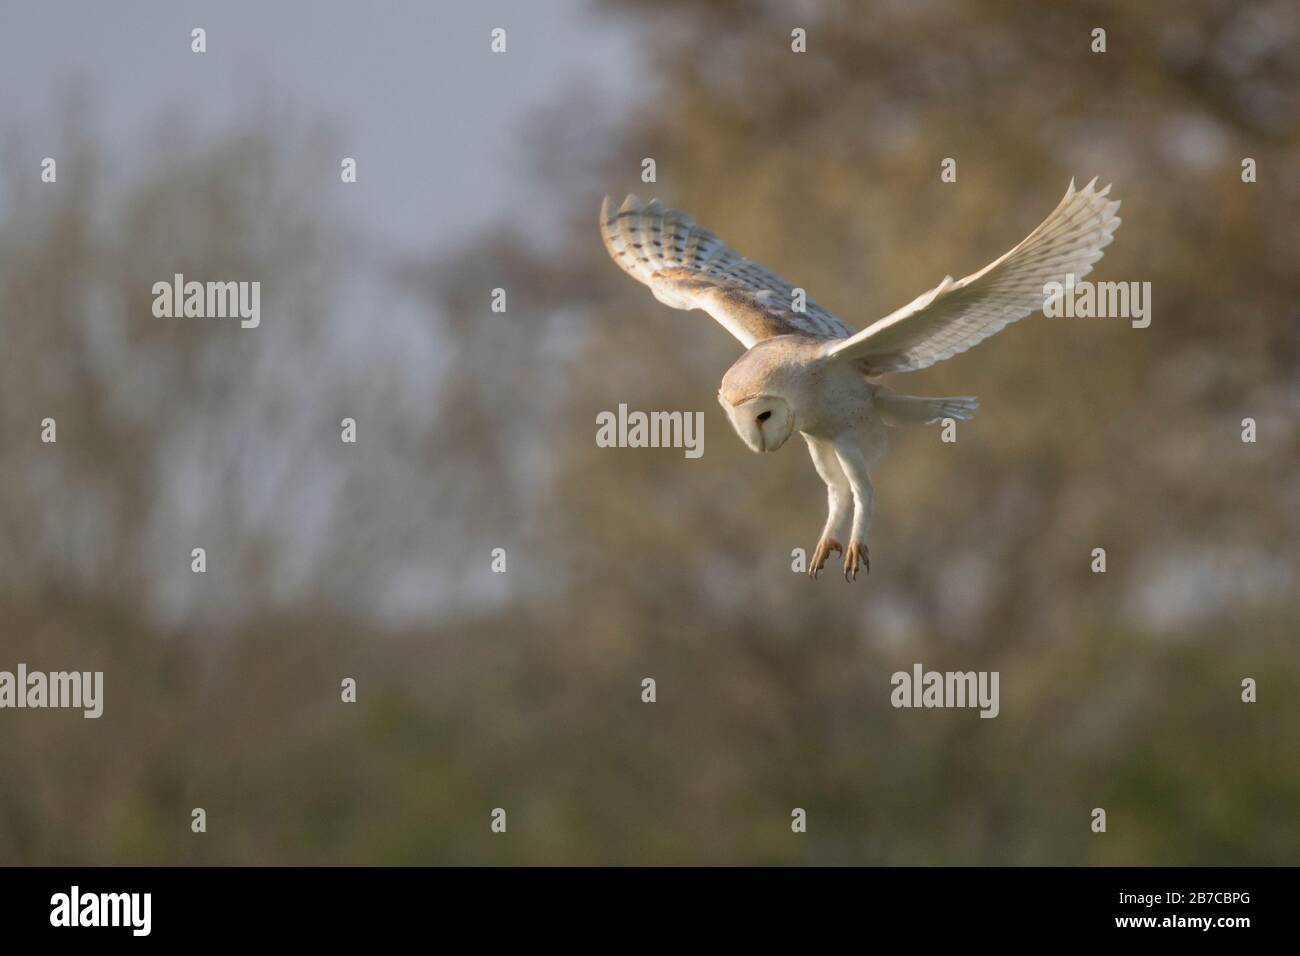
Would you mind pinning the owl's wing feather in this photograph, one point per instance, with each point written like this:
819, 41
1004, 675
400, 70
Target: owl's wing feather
688, 267
954, 316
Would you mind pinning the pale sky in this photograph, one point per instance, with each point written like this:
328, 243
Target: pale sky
411, 88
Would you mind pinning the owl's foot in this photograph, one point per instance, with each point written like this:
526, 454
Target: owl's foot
855, 559
824, 548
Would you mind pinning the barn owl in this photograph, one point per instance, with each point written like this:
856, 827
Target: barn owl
804, 370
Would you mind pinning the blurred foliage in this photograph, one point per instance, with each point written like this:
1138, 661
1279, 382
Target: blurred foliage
522, 690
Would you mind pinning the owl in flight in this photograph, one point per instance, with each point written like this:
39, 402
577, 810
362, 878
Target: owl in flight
804, 370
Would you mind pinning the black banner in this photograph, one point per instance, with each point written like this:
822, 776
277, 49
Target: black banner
333, 904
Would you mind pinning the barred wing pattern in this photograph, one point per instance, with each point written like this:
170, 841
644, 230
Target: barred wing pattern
954, 316
688, 267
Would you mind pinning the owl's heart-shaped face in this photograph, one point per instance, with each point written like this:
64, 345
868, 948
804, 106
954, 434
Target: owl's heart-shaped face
763, 423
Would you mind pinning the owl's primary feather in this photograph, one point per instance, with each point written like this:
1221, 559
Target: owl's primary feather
953, 316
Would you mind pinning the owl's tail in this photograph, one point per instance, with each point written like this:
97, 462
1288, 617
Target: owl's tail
898, 409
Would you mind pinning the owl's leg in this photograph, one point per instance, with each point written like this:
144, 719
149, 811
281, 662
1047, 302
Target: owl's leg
839, 496
855, 464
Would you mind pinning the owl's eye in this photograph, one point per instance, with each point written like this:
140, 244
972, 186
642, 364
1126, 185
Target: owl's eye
764, 416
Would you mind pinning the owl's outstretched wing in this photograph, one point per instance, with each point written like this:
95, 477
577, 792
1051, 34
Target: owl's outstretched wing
954, 316
688, 267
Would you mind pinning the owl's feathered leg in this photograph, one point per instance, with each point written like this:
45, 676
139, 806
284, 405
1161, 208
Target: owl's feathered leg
839, 495
854, 464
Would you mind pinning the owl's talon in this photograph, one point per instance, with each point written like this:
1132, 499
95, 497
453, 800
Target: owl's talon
855, 559
823, 551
